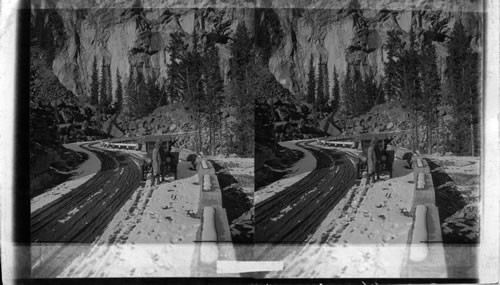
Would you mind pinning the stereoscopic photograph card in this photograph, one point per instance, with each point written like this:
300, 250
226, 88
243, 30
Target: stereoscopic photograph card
257, 140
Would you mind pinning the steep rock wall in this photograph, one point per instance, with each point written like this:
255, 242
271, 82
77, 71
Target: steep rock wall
356, 36
128, 37
339, 33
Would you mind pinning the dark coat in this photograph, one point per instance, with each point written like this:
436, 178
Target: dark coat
372, 159
156, 161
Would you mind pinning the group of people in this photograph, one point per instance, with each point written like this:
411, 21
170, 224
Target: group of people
162, 161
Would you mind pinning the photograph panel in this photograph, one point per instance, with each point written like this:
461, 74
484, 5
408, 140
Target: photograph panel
141, 139
368, 138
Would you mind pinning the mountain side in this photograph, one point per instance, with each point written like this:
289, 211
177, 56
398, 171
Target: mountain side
356, 36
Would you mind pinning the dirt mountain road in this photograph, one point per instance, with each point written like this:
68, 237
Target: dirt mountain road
291, 215
81, 215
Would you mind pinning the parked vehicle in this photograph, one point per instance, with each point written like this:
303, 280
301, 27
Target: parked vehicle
385, 157
171, 162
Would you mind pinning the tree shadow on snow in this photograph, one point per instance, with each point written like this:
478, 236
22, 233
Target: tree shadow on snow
448, 198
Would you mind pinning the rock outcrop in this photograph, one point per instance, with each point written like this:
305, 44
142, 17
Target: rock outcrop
125, 37
136, 34
349, 34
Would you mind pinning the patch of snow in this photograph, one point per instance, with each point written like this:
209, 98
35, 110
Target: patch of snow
276, 187
420, 180
306, 164
295, 173
465, 174
162, 219
458, 164
343, 260
418, 247
82, 174
283, 212
365, 235
207, 184
208, 251
132, 260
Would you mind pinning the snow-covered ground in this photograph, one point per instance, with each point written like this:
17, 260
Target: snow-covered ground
152, 235
306, 164
295, 173
242, 169
80, 175
365, 235
465, 174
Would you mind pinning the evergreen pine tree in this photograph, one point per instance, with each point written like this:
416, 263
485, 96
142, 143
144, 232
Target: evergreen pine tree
335, 101
242, 89
153, 92
320, 89
109, 85
359, 95
431, 90
118, 92
402, 79
131, 93
176, 72
463, 91
326, 85
349, 92
311, 83
94, 85
370, 91
103, 88
194, 95
214, 87
394, 48
142, 107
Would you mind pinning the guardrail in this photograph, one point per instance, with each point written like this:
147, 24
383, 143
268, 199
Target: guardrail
426, 257
132, 146
348, 144
214, 234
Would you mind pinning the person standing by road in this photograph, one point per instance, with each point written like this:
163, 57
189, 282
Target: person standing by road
156, 163
372, 161
167, 159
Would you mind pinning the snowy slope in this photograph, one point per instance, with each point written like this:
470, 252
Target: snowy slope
463, 225
295, 173
152, 234
364, 236
82, 174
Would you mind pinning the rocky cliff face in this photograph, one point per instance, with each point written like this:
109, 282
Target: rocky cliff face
356, 36
129, 37
344, 33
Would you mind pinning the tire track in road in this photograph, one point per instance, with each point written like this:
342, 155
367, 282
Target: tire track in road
292, 215
82, 215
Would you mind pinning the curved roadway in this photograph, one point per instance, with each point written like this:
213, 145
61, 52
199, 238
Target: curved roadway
82, 215
293, 214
